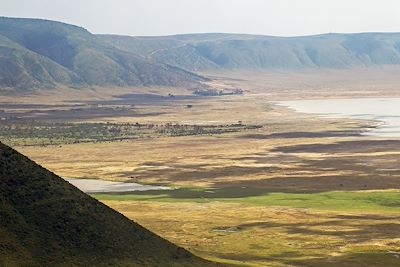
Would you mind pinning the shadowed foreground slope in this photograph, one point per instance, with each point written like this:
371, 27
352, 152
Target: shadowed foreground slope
45, 221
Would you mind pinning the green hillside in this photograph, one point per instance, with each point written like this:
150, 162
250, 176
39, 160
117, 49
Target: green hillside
72, 55
21, 68
237, 51
45, 221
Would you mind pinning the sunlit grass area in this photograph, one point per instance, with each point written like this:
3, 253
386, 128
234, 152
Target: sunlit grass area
346, 201
275, 230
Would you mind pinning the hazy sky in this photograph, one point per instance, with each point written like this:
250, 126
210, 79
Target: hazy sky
162, 17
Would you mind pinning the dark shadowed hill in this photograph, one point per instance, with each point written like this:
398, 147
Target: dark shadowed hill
42, 54
237, 51
45, 221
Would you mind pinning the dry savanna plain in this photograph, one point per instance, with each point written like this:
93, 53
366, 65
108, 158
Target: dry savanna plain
252, 182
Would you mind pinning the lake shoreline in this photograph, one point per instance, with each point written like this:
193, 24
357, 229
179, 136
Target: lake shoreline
91, 186
383, 112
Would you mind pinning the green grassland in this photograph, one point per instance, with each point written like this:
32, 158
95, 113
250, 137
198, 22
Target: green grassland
379, 201
275, 229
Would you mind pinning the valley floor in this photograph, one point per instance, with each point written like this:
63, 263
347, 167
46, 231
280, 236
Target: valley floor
254, 183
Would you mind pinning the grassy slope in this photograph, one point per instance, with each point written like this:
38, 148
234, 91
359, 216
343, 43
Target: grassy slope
45, 221
23, 69
230, 51
92, 60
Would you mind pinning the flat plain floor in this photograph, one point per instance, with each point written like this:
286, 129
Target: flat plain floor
298, 190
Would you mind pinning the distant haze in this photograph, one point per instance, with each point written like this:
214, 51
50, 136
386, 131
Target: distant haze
164, 17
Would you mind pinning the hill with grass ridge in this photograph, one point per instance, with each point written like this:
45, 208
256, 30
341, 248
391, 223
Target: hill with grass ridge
37, 53
199, 52
45, 221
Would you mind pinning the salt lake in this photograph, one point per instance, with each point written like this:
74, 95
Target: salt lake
384, 110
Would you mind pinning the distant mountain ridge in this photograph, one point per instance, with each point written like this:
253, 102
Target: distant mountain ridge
38, 53
45, 221
197, 52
